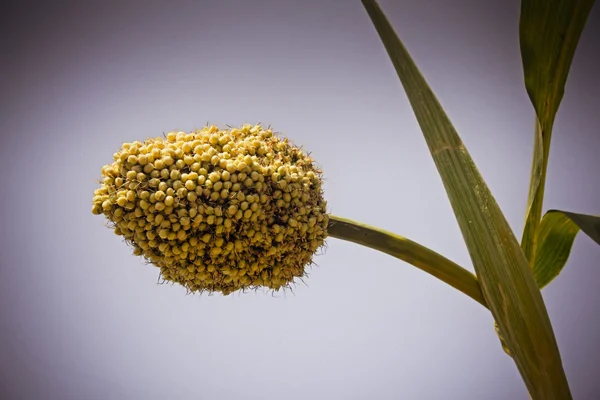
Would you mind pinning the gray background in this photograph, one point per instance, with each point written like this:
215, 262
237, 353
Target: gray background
84, 319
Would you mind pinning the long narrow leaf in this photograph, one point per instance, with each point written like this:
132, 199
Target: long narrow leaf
549, 31
557, 234
589, 224
502, 269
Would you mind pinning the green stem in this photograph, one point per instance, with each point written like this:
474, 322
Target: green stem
537, 184
408, 251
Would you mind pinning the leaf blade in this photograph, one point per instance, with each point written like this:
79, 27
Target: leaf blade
589, 224
502, 268
549, 31
557, 235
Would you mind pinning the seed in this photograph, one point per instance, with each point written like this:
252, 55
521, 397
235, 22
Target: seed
190, 185
143, 159
214, 176
242, 166
177, 185
159, 195
171, 137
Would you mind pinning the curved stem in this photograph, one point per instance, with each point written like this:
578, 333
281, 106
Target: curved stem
408, 251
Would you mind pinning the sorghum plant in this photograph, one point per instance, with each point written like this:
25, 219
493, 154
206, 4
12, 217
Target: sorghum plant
222, 210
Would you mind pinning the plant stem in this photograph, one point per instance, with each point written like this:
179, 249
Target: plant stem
537, 184
408, 251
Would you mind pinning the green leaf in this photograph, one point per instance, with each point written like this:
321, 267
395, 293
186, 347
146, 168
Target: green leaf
408, 251
502, 269
557, 234
589, 224
549, 31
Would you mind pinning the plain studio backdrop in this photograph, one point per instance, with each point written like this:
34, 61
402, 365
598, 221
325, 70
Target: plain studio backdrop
83, 319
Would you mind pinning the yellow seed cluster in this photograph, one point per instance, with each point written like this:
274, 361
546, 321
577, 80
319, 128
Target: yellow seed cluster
217, 210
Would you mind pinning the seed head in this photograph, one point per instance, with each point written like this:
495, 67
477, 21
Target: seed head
217, 210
